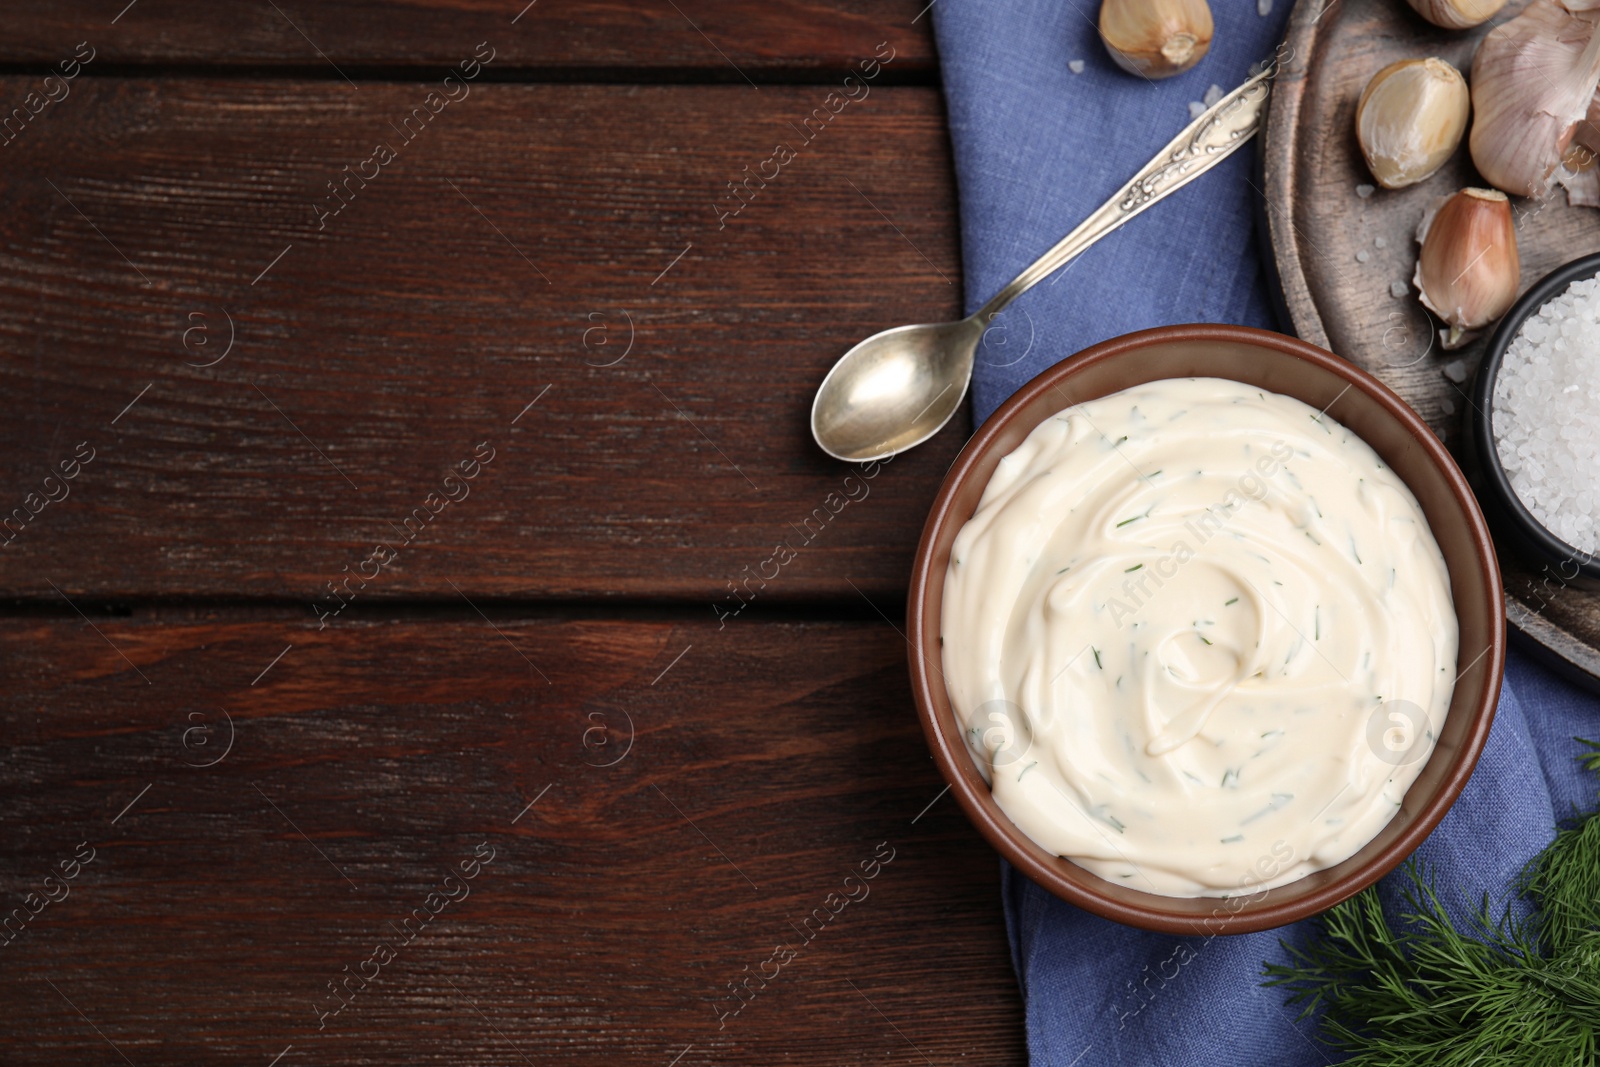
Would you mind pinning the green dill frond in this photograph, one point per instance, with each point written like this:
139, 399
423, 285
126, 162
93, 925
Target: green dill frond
1418, 991
1590, 760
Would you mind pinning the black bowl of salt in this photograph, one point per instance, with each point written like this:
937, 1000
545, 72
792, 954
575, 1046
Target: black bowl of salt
1535, 426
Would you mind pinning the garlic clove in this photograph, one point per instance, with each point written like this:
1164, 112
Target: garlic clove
1581, 162
1469, 268
1156, 38
1457, 14
1410, 120
1532, 81
1586, 135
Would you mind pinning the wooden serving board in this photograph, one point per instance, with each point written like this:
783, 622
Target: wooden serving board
1337, 254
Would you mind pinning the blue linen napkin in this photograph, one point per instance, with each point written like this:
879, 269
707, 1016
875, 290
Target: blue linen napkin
1037, 147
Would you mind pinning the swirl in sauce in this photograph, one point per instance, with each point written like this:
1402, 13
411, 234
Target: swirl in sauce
1200, 636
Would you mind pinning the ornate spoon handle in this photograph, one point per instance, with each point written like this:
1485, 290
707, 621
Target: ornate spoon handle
1204, 143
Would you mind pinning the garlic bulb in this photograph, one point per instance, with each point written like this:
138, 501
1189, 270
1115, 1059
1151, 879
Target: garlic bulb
1532, 80
1457, 14
1469, 268
1410, 120
1156, 38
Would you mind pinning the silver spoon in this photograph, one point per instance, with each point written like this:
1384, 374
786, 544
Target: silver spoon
898, 388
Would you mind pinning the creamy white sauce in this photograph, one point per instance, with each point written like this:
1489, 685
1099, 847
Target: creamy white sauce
1200, 636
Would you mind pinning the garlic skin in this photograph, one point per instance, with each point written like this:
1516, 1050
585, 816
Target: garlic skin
1457, 14
1156, 38
1469, 268
1410, 120
1532, 81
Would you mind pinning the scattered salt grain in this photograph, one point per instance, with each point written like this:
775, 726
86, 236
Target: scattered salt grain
1544, 428
1364, 191
1398, 289
1196, 109
1447, 405
1379, 242
1263, 8
1456, 371
1363, 255
1076, 66
1213, 94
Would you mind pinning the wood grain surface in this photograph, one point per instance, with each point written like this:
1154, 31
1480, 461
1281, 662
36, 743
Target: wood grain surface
1339, 253
394, 470
573, 248
725, 40
695, 795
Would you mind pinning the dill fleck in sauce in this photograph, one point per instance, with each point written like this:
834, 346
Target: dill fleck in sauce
1169, 624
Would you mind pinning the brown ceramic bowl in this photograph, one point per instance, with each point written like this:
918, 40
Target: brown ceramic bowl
1294, 368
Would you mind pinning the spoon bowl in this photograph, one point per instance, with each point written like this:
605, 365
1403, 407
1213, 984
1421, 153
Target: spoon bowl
894, 390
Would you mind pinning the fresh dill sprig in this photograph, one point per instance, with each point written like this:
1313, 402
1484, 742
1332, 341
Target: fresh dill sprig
1424, 993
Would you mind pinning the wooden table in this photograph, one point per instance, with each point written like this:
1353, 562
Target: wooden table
403, 673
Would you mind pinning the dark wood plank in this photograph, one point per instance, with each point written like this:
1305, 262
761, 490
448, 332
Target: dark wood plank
766, 764
724, 39
1337, 280
497, 261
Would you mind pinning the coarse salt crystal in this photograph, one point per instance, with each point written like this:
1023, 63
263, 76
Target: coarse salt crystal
1364, 190
1196, 109
1213, 94
1544, 430
1363, 255
1379, 242
1398, 289
1263, 8
1076, 66
1456, 371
